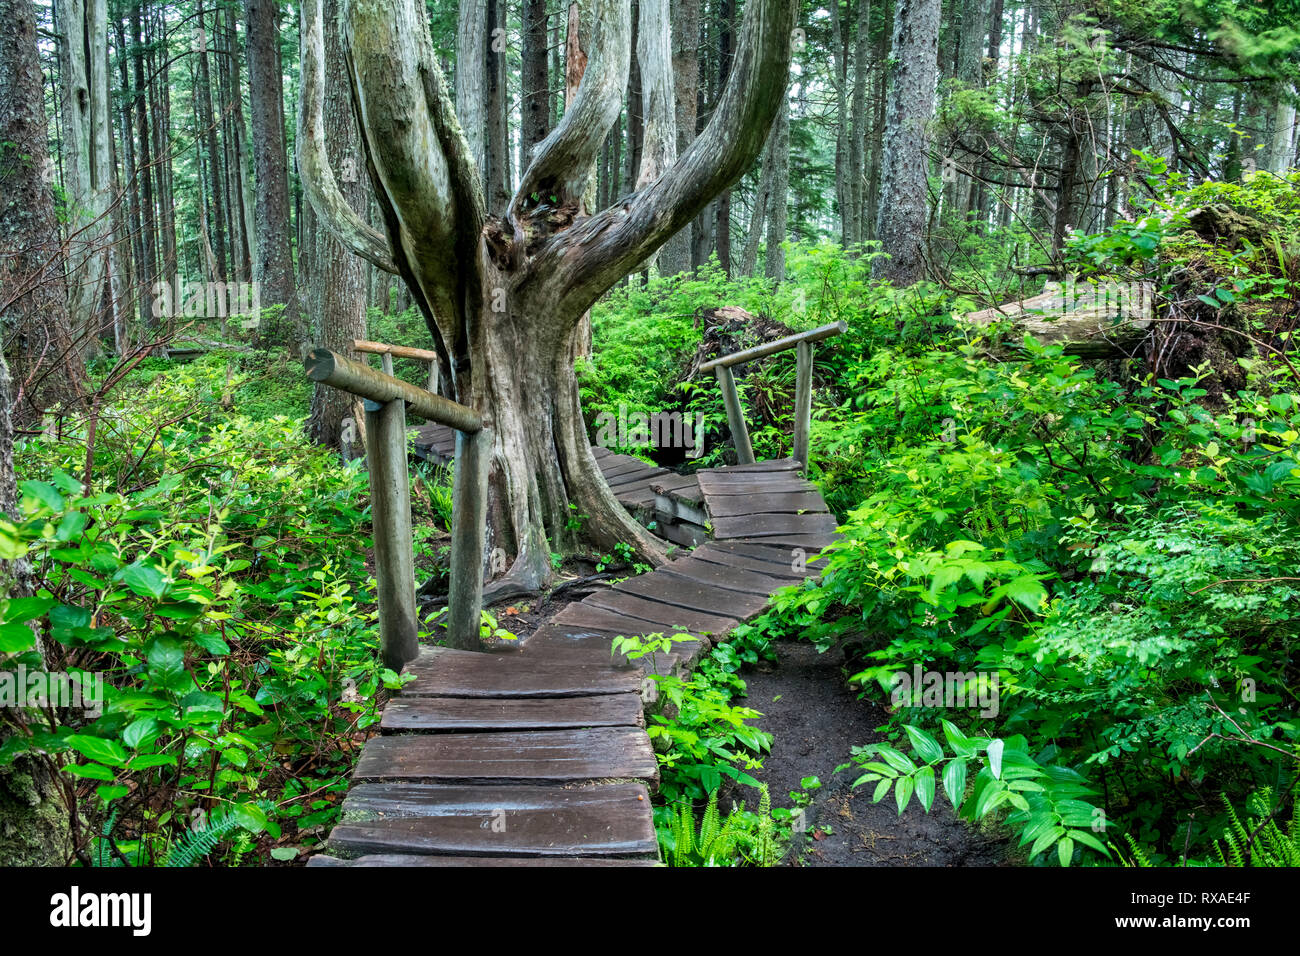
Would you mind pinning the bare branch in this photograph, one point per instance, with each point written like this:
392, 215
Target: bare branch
426, 183
563, 162
615, 240
314, 168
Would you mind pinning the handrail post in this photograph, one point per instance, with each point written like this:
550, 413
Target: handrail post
803, 401
390, 509
735, 415
468, 524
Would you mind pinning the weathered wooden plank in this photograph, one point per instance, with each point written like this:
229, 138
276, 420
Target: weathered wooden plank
774, 464
618, 465
440, 672
585, 616
608, 820
461, 714
661, 616
771, 525
712, 486
797, 502
777, 560
730, 577
682, 590
405, 859
600, 451
635, 477
525, 756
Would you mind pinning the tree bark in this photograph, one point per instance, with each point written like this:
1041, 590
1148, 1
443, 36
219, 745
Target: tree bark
505, 301
87, 130
42, 352
913, 73
660, 112
336, 287
273, 268
778, 197
536, 80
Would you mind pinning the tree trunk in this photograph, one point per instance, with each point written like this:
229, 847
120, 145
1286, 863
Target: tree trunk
503, 296
34, 827
43, 355
336, 287
684, 86
913, 73
778, 197
659, 146
273, 269
536, 80
87, 132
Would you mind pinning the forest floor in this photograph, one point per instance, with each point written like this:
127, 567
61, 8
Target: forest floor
814, 720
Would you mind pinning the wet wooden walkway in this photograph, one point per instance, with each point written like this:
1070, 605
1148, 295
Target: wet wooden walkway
538, 756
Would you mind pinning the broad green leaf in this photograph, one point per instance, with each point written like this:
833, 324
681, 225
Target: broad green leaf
995, 757
903, 792
925, 787
927, 748
954, 782
108, 752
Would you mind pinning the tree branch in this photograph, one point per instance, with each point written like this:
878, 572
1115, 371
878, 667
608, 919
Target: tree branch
318, 180
562, 163
427, 185
600, 250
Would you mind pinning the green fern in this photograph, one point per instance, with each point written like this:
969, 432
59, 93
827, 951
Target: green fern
1139, 857
1259, 841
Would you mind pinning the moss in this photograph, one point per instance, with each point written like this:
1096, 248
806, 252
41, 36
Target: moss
33, 822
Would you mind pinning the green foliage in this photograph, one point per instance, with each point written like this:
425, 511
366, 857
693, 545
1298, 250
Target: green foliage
700, 736
209, 573
1046, 801
742, 838
1258, 840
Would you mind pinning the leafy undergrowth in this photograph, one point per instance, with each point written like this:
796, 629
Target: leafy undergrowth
208, 570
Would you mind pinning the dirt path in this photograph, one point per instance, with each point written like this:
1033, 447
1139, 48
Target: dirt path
815, 721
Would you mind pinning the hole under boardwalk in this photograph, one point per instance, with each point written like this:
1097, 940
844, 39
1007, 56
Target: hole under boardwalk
541, 757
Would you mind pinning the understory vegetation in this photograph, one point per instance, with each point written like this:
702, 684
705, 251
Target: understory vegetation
1114, 549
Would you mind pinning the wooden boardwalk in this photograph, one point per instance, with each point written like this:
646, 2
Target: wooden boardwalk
538, 755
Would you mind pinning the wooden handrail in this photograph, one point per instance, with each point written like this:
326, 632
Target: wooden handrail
390, 502
360, 379
397, 351
776, 345
803, 341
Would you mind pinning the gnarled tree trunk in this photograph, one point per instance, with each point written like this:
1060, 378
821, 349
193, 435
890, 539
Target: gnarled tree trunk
503, 296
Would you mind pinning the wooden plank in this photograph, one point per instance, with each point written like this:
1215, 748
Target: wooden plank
712, 486
729, 577
778, 561
620, 465
635, 477
461, 714
524, 756
405, 859
609, 820
771, 525
586, 616
681, 590
661, 616
797, 502
467, 674
773, 464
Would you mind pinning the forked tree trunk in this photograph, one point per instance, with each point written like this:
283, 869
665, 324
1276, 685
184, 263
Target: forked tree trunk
503, 296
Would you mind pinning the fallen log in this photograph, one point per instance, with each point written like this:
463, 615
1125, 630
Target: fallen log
1091, 320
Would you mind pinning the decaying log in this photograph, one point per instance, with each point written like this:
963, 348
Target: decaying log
1092, 320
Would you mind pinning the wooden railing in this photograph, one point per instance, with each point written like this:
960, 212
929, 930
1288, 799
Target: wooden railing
386, 400
803, 342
